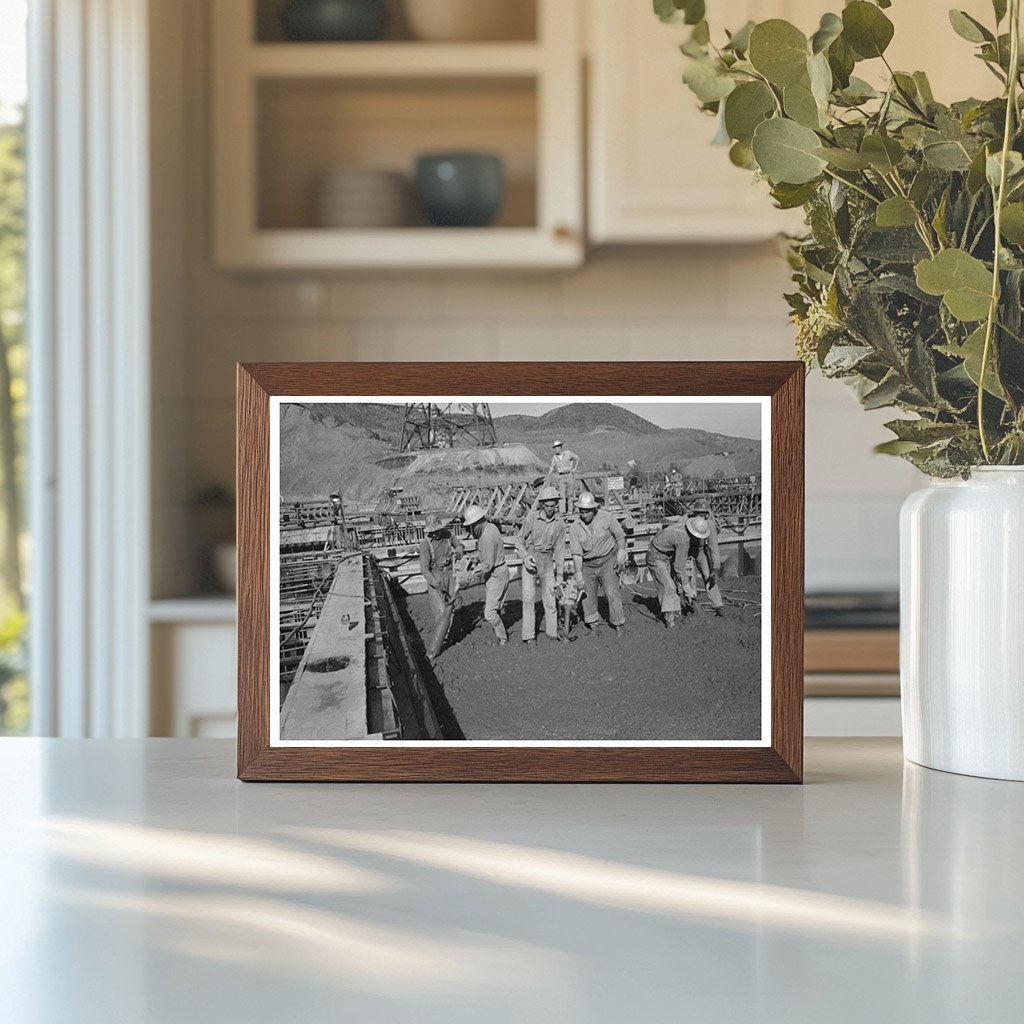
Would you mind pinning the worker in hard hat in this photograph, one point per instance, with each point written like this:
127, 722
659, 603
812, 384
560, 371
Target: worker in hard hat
704, 558
540, 543
489, 567
562, 471
598, 547
667, 559
439, 551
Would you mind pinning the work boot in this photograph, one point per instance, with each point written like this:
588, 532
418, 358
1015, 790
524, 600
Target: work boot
502, 641
529, 639
619, 630
720, 613
670, 620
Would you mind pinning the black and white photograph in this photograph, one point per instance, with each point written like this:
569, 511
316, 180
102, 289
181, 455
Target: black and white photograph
520, 571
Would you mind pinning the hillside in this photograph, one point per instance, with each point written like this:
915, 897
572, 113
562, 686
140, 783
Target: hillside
580, 418
340, 445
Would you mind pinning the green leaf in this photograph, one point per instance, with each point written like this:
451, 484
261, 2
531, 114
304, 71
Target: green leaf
708, 81
999, 6
701, 33
885, 394
923, 431
844, 159
896, 212
789, 197
841, 60
946, 156
739, 41
895, 447
820, 76
963, 281
883, 153
866, 29
968, 28
676, 12
924, 87
1012, 224
778, 50
800, 105
976, 174
921, 185
742, 155
1014, 169
785, 152
745, 108
971, 352
829, 30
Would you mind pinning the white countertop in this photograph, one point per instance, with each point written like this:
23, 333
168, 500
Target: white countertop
143, 885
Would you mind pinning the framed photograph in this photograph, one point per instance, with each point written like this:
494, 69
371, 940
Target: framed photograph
546, 572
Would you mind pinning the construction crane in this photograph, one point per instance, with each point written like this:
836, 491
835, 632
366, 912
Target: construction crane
456, 425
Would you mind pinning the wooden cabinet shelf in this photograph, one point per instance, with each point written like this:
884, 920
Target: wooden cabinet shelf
393, 60
286, 114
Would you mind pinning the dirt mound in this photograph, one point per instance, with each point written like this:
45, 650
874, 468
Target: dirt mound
515, 460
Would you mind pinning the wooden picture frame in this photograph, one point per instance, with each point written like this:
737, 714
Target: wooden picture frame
779, 759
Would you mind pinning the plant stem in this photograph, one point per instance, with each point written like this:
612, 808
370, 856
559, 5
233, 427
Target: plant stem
855, 187
993, 309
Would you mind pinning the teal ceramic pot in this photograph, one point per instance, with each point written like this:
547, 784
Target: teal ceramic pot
460, 189
331, 21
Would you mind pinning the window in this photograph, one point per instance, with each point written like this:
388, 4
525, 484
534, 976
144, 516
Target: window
14, 704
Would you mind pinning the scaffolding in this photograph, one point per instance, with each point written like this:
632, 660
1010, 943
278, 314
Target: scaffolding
456, 425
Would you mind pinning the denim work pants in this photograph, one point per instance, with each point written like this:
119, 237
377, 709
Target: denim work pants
442, 612
544, 578
700, 564
602, 570
494, 597
661, 570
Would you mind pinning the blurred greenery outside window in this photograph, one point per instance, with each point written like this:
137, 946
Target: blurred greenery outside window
14, 694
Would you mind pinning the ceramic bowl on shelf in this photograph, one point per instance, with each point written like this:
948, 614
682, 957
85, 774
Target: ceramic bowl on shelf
361, 198
470, 20
460, 189
332, 21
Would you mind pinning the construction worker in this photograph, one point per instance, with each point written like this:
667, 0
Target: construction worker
704, 558
439, 551
598, 548
541, 545
489, 567
667, 558
564, 464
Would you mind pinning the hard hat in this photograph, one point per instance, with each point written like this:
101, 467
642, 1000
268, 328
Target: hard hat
698, 527
557, 444
473, 514
549, 493
586, 500
434, 526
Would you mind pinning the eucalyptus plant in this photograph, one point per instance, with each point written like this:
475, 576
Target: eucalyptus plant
910, 278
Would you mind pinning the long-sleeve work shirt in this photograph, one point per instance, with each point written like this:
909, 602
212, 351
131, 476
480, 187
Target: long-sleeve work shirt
490, 550
436, 556
673, 544
540, 535
597, 540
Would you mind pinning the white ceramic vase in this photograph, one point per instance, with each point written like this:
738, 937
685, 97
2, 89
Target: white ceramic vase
962, 624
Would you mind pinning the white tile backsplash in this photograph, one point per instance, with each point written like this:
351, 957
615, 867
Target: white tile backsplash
715, 303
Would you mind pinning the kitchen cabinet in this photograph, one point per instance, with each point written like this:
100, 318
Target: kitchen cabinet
653, 175
287, 113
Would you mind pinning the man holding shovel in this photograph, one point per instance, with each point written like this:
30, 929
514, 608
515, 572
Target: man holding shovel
439, 551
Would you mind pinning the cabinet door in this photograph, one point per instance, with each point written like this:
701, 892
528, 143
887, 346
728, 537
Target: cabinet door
653, 174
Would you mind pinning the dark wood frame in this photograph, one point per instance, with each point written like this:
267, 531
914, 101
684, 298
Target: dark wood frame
782, 761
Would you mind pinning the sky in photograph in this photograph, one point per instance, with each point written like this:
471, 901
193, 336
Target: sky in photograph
737, 419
